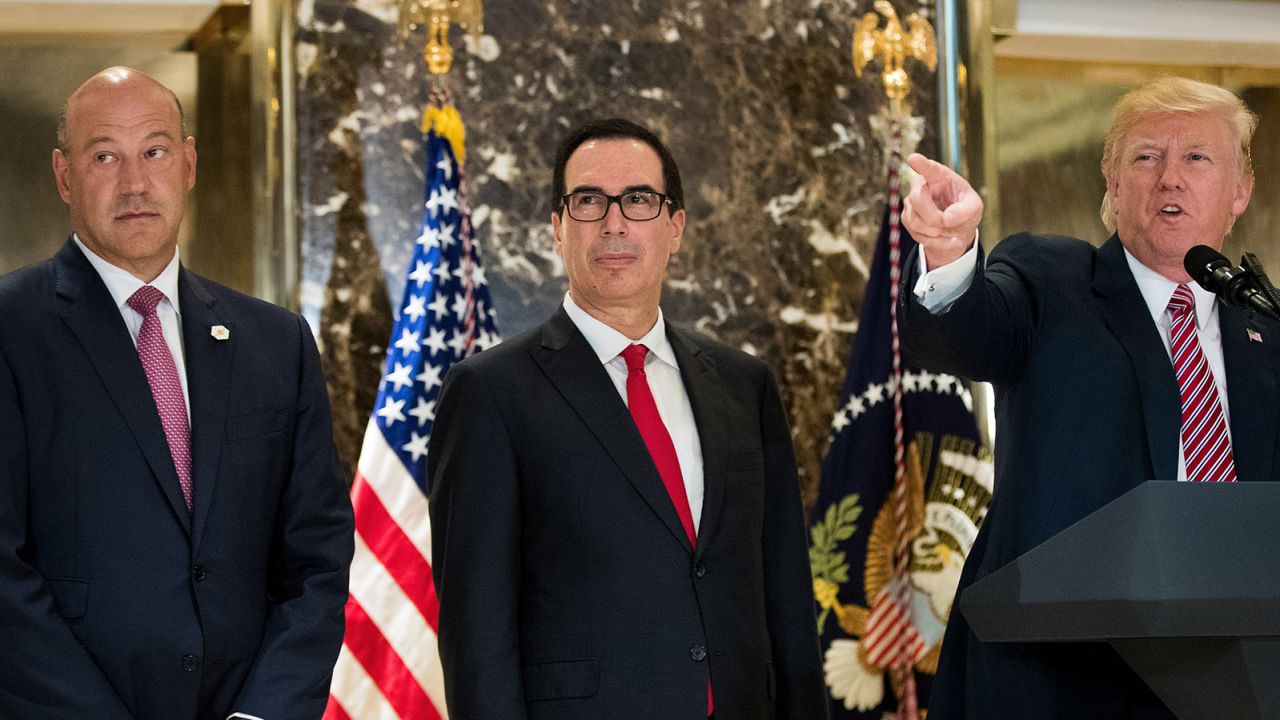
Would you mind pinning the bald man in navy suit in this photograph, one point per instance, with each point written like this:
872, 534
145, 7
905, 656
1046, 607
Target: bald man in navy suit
174, 530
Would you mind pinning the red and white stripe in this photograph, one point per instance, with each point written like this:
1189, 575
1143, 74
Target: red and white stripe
1206, 447
891, 640
896, 610
389, 667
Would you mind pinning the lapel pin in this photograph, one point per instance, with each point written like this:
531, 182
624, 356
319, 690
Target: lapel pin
220, 332
1254, 335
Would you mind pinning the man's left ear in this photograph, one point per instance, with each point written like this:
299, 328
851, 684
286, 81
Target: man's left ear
1244, 191
189, 149
677, 224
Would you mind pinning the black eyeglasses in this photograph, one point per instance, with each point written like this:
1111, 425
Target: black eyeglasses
637, 205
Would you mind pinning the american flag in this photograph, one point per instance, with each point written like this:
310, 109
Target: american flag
389, 666
904, 487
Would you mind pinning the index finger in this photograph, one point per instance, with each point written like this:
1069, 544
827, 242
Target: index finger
933, 171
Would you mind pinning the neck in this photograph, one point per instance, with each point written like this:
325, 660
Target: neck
633, 322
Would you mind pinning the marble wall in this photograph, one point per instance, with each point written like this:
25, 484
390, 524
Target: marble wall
784, 180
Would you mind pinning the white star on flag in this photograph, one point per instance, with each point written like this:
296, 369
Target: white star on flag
392, 411
416, 307
408, 342
424, 411
435, 341
400, 376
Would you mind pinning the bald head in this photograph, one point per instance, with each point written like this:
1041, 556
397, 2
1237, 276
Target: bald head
113, 78
123, 166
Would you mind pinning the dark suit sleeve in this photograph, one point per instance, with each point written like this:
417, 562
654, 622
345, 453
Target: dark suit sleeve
800, 693
986, 334
44, 671
313, 542
476, 557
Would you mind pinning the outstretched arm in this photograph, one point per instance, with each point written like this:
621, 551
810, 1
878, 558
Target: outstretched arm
942, 212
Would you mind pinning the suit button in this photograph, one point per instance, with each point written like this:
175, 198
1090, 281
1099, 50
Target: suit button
698, 653
197, 573
699, 570
190, 663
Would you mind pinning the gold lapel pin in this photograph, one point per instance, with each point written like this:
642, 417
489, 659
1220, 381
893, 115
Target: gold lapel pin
220, 332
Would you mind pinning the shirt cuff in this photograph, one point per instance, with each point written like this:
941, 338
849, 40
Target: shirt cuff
938, 289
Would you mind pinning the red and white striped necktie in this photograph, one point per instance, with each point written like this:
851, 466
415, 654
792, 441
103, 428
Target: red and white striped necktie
1206, 447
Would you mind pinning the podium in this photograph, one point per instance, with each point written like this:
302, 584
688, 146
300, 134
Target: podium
1182, 579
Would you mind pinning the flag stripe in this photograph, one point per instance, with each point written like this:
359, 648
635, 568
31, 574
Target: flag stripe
334, 711
395, 487
396, 618
355, 693
395, 552
385, 667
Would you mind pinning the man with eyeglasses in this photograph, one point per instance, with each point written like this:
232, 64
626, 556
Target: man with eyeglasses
616, 522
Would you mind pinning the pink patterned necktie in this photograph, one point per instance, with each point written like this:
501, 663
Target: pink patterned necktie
1206, 446
166, 388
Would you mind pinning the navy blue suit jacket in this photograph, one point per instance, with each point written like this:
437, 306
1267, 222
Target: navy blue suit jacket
114, 601
1087, 407
568, 588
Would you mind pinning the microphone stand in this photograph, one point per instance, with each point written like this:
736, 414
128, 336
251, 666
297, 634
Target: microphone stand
1253, 266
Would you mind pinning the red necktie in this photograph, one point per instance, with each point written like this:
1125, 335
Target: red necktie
645, 412
1205, 444
166, 388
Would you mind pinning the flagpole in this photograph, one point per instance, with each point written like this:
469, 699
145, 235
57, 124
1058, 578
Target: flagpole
894, 44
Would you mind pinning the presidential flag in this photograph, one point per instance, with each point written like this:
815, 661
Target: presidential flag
904, 489
389, 666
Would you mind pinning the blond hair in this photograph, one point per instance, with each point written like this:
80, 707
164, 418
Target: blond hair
1171, 96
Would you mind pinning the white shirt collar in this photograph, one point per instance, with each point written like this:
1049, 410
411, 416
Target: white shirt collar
607, 343
1157, 289
122, 284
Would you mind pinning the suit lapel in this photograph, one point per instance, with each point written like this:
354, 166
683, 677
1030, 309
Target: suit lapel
1126, 314
87, 308
706, 394
569, 363
1252, 394
208, 363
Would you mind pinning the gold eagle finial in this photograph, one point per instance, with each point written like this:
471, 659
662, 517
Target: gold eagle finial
436, 16
895, 44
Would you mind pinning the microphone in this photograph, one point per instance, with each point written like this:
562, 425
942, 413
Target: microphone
1236, 286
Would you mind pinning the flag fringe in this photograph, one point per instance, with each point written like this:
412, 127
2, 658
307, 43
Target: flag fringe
447, 123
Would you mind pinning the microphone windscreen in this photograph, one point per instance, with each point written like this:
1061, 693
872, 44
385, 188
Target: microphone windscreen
1199, 259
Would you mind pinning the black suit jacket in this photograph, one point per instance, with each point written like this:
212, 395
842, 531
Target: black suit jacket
1087, 407
114, 601
567, 586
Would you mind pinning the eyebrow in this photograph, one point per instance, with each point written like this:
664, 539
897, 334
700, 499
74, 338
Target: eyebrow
165, 134
643, 187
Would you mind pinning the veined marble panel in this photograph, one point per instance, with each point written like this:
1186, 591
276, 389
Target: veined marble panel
784, 181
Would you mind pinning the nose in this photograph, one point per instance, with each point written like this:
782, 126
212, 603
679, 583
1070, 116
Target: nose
1171, 176
132, 179
614, 222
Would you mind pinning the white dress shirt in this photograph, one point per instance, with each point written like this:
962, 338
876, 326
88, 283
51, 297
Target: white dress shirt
122, 285
938, 289
665, 383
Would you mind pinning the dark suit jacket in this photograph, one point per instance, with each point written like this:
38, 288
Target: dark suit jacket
568, 588
114, 602
1087, 407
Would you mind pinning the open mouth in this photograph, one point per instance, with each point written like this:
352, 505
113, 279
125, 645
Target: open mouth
1171, 210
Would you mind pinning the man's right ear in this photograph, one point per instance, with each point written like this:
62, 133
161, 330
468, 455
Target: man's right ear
61, 173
